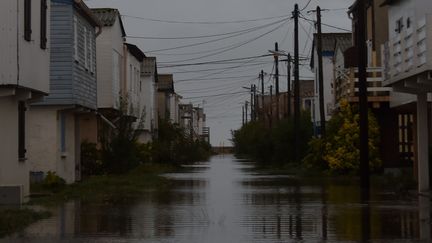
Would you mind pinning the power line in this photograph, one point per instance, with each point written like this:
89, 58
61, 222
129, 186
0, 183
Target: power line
219, 72
307, 4
235, 46
216, 95
215, 40
213, 62
202, 22
331, 26
224, 68
205, 36
218, 78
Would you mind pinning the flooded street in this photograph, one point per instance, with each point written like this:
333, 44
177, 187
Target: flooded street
225, 200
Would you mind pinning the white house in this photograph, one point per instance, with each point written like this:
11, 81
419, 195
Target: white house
57, 121
408, 69
24, 78
149, 99
328, 47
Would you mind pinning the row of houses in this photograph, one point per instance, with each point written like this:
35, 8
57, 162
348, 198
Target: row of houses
399, 78
66, 74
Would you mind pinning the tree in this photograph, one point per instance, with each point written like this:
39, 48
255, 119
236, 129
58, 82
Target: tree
341, 146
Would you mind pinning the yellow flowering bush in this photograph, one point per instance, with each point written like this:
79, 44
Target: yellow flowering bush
341, 145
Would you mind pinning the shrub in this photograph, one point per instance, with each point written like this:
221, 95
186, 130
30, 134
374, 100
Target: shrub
91, 163
275, 144
339, 150
53, 182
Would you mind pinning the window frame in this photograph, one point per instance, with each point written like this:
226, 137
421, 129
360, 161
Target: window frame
75, 22
22, 108
43, 25
27, 20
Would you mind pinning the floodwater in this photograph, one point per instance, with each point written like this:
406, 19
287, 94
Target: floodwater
225, 200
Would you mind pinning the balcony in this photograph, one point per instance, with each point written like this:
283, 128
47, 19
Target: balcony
346, 85
407, 57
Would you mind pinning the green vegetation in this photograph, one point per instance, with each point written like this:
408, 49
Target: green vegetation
272, 145
338, 152
120, 151
108, 188
173, 145
14, 220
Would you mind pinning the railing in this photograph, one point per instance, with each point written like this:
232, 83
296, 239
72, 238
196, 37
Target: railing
346, 83
408, 51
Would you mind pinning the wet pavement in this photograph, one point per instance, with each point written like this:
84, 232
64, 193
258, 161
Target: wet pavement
225, 200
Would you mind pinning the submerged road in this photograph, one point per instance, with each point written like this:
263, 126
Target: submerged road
226, 200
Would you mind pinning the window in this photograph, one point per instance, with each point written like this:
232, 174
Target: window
86, 61
75, 20
43, 28
408, 23
62, 132
89, 49
27, 20
130, 77
92, 53
399, 25
21, 129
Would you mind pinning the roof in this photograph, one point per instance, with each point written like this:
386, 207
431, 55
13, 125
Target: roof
343, 43
388, 2
329, 42
166, 83
81, 7
108, 17
135, 51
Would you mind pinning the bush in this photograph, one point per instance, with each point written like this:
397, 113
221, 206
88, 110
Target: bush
91, 163
275, 144
53, 182
119, 152
339, 150
173, 145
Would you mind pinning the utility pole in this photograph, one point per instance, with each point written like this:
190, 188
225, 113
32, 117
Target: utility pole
276, 59
262, 93
246, 114
296, 85
271, 106
243, 113
363, 103
320, 74
289, 85
255, 102
252, 103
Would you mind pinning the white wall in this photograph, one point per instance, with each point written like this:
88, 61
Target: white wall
328, 74
33, 62
147, 100
414, 9
132, 81
109, 46
12, 171
44, 138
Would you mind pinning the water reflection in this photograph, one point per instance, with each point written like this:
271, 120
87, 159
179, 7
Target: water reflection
225, 201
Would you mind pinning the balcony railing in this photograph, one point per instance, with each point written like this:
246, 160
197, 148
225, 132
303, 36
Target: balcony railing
346, 84
408, 52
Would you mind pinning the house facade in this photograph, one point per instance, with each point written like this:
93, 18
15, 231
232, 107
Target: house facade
110, 73
168, 100
149, 99
328, 44
408, 70
24, 78
57, 121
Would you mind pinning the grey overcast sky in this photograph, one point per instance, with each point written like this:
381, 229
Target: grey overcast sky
218, 86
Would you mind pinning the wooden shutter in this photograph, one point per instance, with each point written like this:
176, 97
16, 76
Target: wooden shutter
21, 129
27, 20
43, 27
